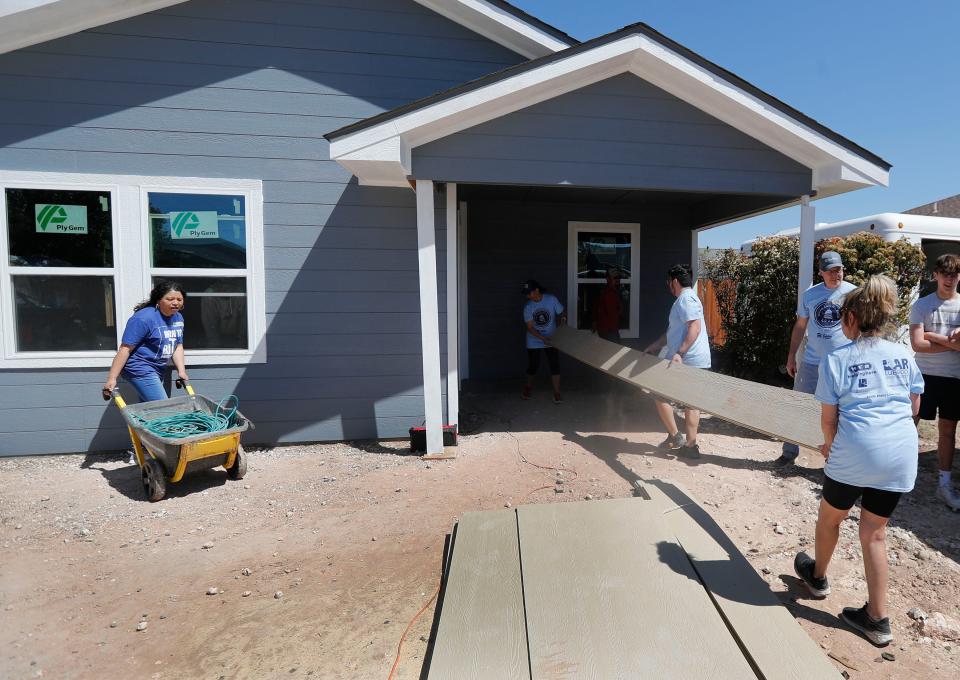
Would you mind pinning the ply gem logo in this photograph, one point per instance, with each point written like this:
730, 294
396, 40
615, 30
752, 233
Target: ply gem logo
184, 219
51, 214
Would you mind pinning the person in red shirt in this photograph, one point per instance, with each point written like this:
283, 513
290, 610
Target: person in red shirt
606, 311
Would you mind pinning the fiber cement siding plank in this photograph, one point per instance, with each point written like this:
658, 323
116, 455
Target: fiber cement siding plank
285, 35
609, 594
311, 80
774, 641
255, 56
482, 632
773, 411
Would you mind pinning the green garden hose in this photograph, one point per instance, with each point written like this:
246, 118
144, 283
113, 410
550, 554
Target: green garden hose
183, 425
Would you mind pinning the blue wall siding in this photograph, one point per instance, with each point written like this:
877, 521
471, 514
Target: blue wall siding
509, 242
621, 132
242, 88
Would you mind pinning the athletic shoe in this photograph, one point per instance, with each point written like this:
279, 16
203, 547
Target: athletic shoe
557, 398
803, 565
526, 392
691, 452
878, 632
783, 461
673, 442
949, 496
131, 458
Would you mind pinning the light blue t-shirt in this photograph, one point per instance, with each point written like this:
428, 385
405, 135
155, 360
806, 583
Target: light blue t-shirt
822, 306
686, 308
544, 315
154, 338
876, 445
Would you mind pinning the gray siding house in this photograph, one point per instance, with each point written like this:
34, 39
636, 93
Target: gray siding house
352, 193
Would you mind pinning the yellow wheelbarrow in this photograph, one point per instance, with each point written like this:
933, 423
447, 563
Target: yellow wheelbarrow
165, 459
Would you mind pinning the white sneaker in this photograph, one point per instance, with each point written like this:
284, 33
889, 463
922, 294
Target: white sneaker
949, 496
131, 458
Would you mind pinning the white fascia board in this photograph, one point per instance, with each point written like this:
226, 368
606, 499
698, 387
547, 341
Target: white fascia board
498, 25
725, 101
500, 98
28, 22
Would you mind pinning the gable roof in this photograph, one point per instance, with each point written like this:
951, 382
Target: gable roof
944, 207
378, 149
28, 22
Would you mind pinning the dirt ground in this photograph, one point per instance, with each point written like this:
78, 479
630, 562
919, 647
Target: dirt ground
353, 537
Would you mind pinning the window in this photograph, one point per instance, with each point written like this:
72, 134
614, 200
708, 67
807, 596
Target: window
77, 252
594, 248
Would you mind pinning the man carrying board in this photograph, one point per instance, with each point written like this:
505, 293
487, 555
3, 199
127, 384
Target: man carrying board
685, 342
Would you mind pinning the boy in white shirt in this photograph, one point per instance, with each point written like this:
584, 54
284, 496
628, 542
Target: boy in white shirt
935, 337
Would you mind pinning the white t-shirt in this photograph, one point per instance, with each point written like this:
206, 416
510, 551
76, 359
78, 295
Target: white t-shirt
870, 382
937, 316
822, 306
686, 308
544, 315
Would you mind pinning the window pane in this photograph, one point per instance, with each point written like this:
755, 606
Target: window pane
215, 314
198, 230
53, 228
597, 252
587, 296
64, 313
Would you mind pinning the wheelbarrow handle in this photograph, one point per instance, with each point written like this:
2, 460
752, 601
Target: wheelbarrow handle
115, 395
185, 384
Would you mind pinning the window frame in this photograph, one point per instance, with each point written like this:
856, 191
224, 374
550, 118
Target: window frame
132, 269
632, 228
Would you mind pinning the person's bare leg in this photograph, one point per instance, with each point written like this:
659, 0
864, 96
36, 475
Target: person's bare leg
691, 418
556, 383
946, 443
826, 536
665, 412
873, 540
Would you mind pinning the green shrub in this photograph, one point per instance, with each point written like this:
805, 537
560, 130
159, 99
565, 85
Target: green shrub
757, 295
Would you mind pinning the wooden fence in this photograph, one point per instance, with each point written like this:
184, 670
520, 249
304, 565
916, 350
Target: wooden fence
711, 311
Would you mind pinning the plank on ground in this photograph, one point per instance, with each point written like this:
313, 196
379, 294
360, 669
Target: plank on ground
610, 595
481, 633
771, 637
773, 411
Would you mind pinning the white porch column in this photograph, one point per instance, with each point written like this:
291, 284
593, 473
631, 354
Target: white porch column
453, 297
429, 316
807, 218
695, 255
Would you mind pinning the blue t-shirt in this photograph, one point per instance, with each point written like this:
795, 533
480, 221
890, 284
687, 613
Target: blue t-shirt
544, 316
686, 308
154, 338
876, 445
822, 306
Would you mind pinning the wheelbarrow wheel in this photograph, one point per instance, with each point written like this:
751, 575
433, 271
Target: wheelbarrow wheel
239, 467
154, 480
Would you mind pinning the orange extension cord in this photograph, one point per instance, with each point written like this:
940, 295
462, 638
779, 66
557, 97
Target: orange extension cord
523, 459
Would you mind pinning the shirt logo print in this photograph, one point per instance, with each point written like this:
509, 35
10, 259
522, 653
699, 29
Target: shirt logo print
827, 314
541, 317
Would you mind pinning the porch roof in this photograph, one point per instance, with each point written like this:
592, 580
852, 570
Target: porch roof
378, 150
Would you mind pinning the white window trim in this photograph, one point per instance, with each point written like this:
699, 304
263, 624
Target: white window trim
573, 228
131, 267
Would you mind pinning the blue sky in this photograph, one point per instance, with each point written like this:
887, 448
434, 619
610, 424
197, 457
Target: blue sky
885, 74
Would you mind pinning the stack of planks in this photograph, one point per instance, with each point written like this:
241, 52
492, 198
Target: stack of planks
599, 590
773, 411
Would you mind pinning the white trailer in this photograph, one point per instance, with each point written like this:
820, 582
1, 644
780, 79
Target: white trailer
935, 235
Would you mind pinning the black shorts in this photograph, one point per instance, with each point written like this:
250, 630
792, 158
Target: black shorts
940, 394
843, 496
533, 360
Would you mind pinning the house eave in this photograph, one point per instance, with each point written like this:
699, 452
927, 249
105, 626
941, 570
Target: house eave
836, 168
